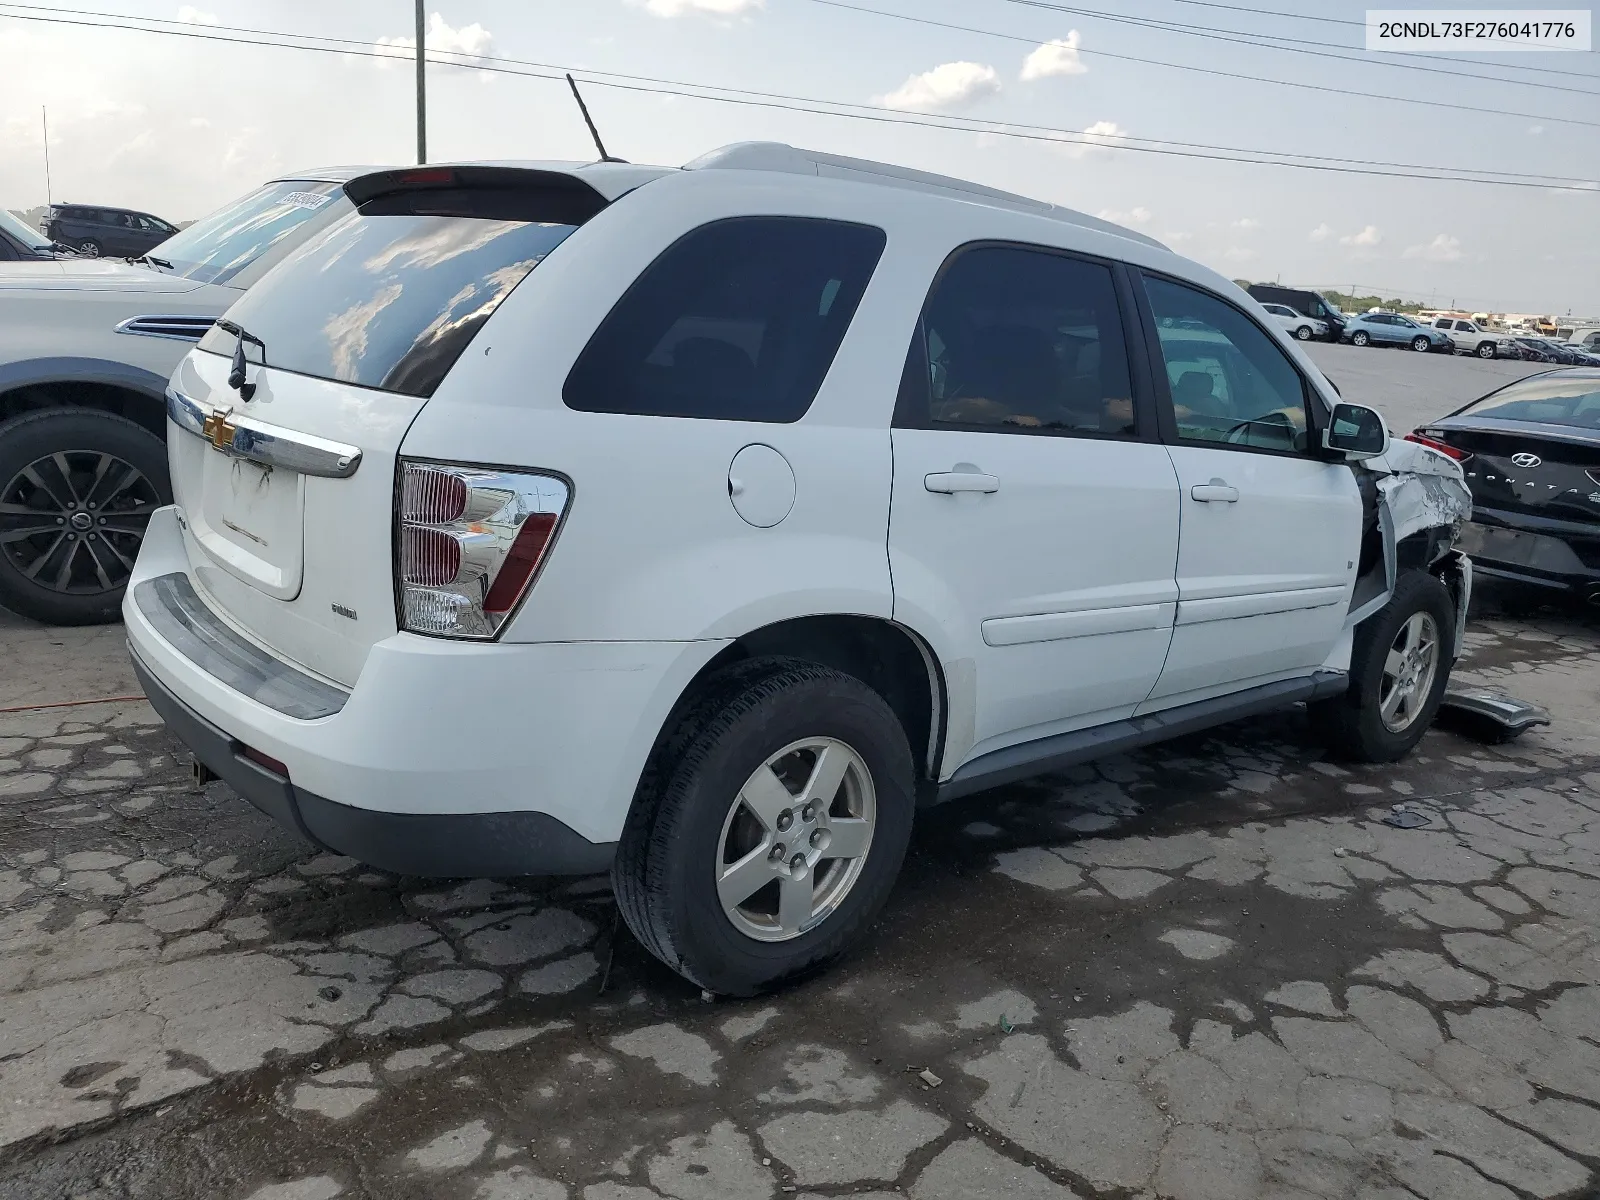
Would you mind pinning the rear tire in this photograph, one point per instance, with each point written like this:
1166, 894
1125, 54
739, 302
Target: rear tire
1358, 725
1303, 332
1485, 349
1360, 338
62, 574
672, 873
89, 248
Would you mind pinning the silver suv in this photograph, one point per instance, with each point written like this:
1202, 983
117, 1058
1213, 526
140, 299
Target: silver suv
86, 347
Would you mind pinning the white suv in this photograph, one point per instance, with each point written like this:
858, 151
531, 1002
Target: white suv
1469, 337
1302, 327
701, 524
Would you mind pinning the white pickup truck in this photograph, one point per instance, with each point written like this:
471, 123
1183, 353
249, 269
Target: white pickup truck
1471, 338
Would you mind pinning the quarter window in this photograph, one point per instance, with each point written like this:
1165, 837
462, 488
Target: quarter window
1230, 383
738, 320
1018, 340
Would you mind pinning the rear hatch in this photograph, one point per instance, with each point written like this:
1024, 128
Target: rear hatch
288, 483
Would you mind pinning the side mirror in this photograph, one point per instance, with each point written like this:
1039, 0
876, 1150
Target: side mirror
1355, 432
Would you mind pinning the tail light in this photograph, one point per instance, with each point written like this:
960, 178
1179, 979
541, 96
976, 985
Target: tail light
469, 542
1433, 443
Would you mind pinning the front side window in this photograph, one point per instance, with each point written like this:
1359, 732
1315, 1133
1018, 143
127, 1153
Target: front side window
1231, 385
1019, 339
738, 320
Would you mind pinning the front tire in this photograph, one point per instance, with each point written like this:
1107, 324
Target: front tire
1303, 332
1485, 349
77, 487
1360, 338
1399, 669
726, 874
1420, 344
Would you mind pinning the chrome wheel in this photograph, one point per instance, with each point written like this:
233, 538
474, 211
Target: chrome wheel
1303, 333
795, 840
1408, 672
89, 249
1359, 339
1420, 345
72, 521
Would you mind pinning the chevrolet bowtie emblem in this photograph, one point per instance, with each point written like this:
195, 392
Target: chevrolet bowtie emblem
218, 431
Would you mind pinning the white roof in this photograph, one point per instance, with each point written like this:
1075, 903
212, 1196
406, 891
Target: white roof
776, 156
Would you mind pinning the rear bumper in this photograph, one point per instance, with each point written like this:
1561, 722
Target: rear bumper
1525, 549
446, 758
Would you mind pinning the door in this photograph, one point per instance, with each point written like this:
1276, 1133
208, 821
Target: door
1270, 531
1034, 515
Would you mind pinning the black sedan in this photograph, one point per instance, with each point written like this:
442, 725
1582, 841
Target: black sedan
1540, 349
1531, 455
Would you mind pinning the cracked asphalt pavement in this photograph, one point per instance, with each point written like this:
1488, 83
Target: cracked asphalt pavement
1209, 971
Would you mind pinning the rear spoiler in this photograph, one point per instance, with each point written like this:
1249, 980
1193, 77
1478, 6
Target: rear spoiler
504, 193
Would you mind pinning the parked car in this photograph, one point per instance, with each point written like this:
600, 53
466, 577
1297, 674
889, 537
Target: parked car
1545, 350
94, 231
1298, 324
20, 242
1394, 329
86, 348
1468, 337
1301, 300
1582, 356
1531, 455
630, 461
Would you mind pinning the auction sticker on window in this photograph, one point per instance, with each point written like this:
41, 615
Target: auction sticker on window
306, 199
1478, 29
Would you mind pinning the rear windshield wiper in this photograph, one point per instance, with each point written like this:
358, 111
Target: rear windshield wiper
153, 261
236, 371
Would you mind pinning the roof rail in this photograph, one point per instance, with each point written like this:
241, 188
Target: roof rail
776, 156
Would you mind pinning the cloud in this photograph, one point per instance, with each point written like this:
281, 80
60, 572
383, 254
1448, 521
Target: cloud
710, 8
1238, 254
1101, 136
1368, 236
1056, 57
1322, 232
1536, 130
1136, 216
1177, 238
471, 39
1443, 248
949, 85
190, 15
1247, 224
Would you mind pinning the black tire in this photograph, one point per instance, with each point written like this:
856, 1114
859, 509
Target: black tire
90, 248
1303, 332
1360, 338
82, 437
1485, 349
1352, 724
1421, 345
664, 874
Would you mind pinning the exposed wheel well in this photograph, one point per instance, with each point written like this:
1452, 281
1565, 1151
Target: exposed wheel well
140, 408
888, 658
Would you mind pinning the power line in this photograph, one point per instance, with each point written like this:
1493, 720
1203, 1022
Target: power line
736, 96
1240, 36
1314, 87
1273, 12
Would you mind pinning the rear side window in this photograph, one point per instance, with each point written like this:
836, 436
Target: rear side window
387, 301
738, 320
1560, 398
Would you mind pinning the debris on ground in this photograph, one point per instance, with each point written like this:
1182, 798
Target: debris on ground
1488, 715
1402, 817
929, 1078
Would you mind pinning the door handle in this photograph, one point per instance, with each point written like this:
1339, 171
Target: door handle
951, 482
1215, 492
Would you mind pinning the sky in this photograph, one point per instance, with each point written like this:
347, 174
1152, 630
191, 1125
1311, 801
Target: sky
178, 126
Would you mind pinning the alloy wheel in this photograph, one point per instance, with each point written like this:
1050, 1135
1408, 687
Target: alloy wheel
1408, 672
72, 521
795, 839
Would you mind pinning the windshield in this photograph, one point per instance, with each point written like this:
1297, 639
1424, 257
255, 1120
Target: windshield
1564, 399
276, 217
1329, 307
387, 302
22, 231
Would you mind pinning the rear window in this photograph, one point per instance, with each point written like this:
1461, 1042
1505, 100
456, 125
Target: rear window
387, 301
738, 320
1550, 400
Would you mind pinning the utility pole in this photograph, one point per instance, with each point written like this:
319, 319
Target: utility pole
44, 119
422, 86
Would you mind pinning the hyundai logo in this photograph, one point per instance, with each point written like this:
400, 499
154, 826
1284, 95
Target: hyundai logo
1526, 460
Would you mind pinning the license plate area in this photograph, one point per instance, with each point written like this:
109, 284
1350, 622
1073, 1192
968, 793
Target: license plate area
251, 522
